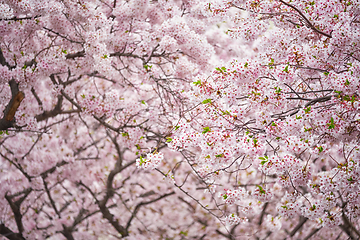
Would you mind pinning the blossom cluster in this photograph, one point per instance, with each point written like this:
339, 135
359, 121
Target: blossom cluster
152, 160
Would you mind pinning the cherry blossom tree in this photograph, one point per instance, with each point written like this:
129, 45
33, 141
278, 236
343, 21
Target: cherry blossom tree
175, 119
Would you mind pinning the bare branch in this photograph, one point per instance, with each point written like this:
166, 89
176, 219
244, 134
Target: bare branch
309, 24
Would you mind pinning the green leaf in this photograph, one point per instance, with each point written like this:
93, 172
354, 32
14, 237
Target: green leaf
246, 64
286, 69
326, 73
168, 139
64, 51
331, 124
226, 112
143, 102
307, 129
263, 162
206, 101
271, 62
197, 83
142, 160
261, 190
177, 127
125, 134
320, 149
147, 67
222, 69
206, 129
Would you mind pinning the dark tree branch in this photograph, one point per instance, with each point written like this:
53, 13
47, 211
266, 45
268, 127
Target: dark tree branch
320, 99
19, 18
8, 120
51, 170
6, 232
67, 232
143, 204
308, 23
312, 234
15, 207
298, 226
37, 98
263, 213
52, 113
109, 193
52, 202
349, 228
2, 60
62, 36
75, 55
110, 217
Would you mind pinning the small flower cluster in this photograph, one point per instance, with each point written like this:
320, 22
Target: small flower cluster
289, 207
234, 219
316, 210
261, 194
151, 161
232, 196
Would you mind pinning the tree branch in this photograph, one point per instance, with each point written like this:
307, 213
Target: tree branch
309, 24
143, 204
8, 120
6, 232
15, 207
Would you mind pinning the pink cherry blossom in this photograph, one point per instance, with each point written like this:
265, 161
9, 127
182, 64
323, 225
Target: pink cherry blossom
168, 119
